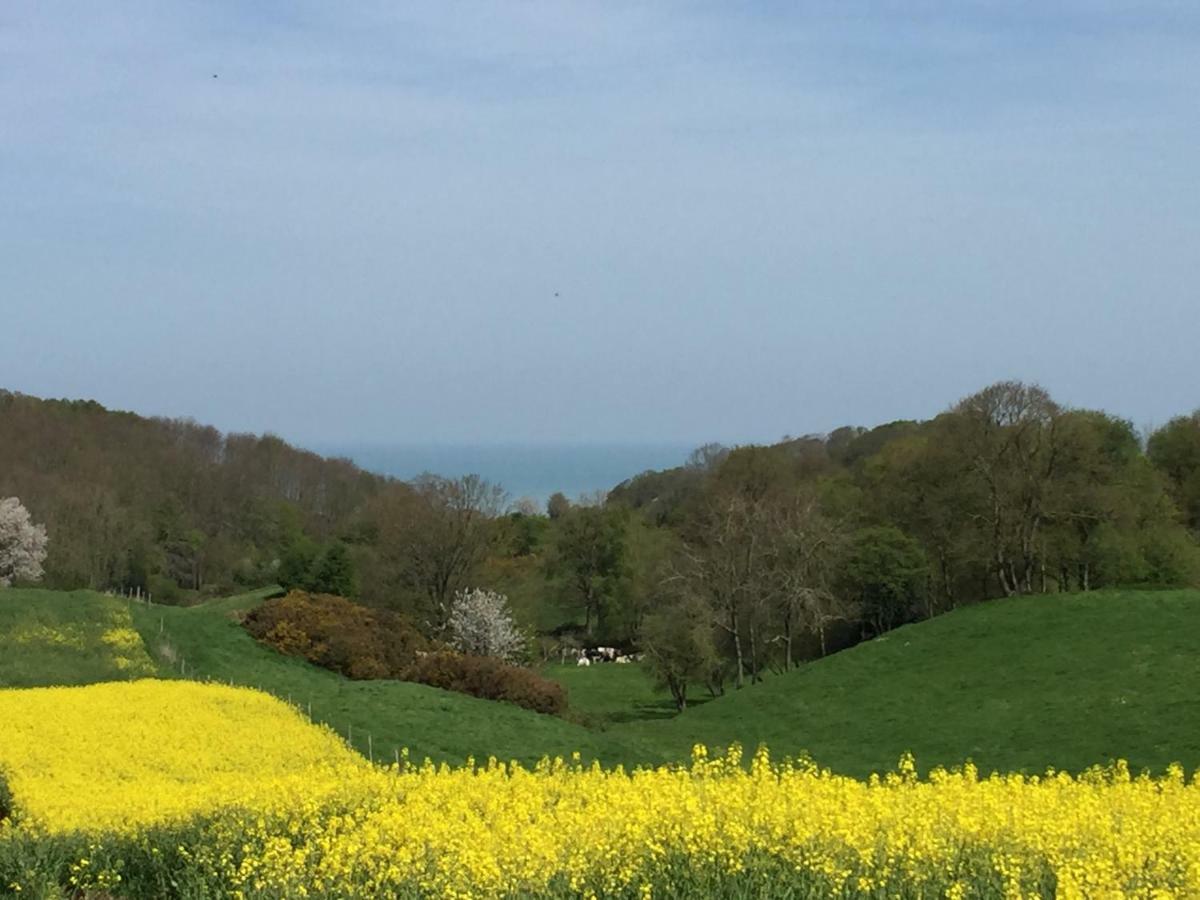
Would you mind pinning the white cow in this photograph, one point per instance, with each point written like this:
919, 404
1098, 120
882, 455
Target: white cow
583, 661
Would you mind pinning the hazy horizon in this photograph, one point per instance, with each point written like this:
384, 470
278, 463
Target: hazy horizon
594, 222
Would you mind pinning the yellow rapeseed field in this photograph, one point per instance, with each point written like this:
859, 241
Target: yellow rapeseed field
185, 784
123, 755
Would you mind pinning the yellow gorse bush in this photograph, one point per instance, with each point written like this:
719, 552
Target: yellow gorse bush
287, 810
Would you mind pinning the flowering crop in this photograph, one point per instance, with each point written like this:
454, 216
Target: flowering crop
116, 756
255, 802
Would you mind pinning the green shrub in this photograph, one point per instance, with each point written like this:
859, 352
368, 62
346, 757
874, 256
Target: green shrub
6, 801
489, 679
337, 634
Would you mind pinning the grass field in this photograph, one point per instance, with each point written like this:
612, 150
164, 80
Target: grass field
378, 717
608, 695
67, 638
1016, 685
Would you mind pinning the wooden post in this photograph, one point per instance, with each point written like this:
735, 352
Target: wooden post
370, 748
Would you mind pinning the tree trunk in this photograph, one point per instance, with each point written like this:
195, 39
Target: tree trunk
753, 653
740, 677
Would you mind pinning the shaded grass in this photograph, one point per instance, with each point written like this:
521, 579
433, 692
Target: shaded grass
609, 694
1021, 684
50, 637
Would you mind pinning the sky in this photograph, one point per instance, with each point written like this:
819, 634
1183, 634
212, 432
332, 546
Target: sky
597, 221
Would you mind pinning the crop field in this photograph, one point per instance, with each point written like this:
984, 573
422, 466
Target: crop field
156, 788
79, 638
174, 787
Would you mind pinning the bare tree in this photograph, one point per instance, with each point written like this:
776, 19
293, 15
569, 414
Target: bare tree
436, 534
22, 544
803, 546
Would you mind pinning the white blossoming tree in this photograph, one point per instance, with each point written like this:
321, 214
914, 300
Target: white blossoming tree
480, 622
22, 544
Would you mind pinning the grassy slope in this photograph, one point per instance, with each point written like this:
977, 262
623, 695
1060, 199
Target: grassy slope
603, 696
48, 637
428, 721
1020, 684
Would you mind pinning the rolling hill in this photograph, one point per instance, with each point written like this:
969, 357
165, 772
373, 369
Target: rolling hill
1023, 684
1063, 681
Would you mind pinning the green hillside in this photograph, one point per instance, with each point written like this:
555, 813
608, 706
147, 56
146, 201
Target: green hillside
1064, 680
208, 642
47, 637
1022, 684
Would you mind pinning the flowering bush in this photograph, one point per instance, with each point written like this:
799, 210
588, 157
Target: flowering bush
333, 632
481, 623
22, 544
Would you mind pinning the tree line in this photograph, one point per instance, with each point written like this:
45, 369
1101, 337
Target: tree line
741, 561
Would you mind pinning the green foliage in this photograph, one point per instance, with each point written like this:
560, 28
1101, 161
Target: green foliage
333, 572
588, 559
1175, 451
488, 678
884, 572
297, 563
679, 646
558, 505
339, 635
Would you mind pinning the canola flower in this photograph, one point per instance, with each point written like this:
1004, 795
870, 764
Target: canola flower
112, 635
264, 821
122, 755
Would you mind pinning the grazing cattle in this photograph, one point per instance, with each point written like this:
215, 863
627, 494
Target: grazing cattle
624, 659
583, 661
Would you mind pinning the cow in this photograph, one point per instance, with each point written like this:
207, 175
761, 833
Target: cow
583, 661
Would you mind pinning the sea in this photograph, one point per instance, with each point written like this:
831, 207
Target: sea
524, 470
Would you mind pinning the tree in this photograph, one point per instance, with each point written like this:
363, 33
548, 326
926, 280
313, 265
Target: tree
803, 548
1008, 437
588, 559
885, 574
481, 623
1175, 451
434, 535
22, 544
558, 505
678, 641
333, 572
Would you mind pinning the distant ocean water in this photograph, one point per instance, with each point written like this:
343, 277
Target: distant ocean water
523, 470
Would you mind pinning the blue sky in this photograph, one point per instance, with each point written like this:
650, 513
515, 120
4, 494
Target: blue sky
597, 221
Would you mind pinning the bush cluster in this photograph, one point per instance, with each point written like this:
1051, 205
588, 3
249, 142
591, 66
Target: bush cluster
488, 678
361, 642
337, 634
